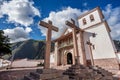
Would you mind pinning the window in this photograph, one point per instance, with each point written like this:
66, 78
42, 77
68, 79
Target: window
84, 21
93, 46
93, 35
92, 18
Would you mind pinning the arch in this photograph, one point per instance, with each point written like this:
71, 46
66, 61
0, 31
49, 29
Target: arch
92, 17
84, 21
69, 58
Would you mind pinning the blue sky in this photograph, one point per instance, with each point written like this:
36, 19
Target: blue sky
19, 18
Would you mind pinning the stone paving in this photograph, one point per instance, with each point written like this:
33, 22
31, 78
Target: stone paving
80, 72
16, 74
46, 74
74, 72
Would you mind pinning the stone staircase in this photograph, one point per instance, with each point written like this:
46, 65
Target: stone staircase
80, 72
46, 74
74, 72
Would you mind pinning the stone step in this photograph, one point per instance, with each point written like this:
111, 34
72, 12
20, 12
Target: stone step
28, 78
78, 71
77, 67
35, 75
104, 73
46, 71
61, 78
46, 75
88, 73
108, 78
89, 70
98, 76
68, 73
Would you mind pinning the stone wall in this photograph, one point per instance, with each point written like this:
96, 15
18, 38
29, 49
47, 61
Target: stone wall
15, 74
108, 63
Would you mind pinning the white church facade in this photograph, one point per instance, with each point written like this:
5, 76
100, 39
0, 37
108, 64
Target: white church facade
94, 42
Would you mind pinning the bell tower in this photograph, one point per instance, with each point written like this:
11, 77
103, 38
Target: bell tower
99, 46
90, 18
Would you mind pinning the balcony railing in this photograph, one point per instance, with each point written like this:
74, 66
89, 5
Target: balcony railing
65, 46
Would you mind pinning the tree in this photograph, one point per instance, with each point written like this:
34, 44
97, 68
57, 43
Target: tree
4, 44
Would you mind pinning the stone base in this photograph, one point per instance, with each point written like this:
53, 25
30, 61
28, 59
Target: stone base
108, 64
80, 72
46, 74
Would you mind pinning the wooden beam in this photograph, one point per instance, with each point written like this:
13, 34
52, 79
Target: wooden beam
76, 52
49, 27
70, 24
46, 25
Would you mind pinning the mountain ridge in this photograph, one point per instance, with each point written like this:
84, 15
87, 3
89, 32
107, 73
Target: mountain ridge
35, 49
31, 49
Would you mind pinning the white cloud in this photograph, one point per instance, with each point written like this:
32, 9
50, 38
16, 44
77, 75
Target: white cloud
112, 16
18, 34
28, 29
19, 11
59, 18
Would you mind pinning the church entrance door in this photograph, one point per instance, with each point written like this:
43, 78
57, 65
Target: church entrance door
69, 58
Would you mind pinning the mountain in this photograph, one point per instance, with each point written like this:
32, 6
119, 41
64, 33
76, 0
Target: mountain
34, 49
31, 49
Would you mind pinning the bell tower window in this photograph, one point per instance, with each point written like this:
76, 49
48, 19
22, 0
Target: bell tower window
92, 18
84, 21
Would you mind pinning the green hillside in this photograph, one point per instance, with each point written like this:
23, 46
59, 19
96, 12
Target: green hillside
31, 49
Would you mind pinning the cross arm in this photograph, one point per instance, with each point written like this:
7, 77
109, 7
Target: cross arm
46, 25
72, 25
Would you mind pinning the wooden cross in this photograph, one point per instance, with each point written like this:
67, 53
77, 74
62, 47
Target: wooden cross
74, 27
48, 41
91, 55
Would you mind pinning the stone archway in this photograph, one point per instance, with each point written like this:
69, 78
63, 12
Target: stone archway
69, 58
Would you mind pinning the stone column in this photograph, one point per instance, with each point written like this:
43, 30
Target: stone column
75, 45
48, 41
83, 47
48, 48
56, 53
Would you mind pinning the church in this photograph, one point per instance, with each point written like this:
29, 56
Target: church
95, 45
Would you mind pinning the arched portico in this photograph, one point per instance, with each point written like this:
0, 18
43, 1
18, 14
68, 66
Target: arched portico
69, 58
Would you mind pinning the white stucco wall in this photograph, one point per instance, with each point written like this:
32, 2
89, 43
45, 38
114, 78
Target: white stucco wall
102, 41
89, 23
118, 56
87, 49
52, 58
